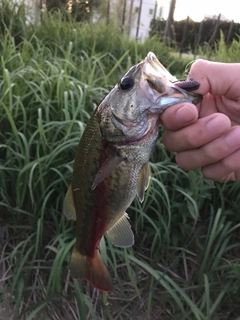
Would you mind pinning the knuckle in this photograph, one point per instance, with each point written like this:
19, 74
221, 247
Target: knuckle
213, 154
199, 64
193, 137
209, 173
186, 160
169, 141
232, 162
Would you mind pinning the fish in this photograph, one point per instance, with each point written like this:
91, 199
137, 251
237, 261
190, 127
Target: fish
111, 166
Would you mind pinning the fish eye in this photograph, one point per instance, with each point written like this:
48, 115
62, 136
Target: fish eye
126, 83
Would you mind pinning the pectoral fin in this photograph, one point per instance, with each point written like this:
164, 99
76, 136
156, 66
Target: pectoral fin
68, 205
110, 164
121, 234
143, 181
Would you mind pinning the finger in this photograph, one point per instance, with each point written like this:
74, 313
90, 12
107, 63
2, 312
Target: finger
197, 134
224, 169
216, 78
211, 152
179, 116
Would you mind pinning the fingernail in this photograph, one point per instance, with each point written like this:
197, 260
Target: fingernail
215, 126
232, 139
185, 114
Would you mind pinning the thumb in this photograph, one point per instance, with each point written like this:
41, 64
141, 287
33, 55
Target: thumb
179, 116
216, 77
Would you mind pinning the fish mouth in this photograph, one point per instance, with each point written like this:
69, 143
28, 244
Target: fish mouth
153, 66
168, 90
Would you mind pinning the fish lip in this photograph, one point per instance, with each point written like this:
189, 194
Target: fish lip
192, 97
157, 69
153, 61
167, 94
188, 86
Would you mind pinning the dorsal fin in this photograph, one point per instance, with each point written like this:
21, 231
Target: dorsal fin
143, 181
68, 205
121, 234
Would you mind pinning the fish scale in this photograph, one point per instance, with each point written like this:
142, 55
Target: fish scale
112, 163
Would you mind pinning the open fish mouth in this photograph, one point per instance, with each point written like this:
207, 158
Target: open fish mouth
161, 80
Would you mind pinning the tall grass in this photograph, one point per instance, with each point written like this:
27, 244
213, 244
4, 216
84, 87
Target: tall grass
185, 261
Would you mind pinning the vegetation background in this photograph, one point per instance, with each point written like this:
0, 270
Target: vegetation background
185, 262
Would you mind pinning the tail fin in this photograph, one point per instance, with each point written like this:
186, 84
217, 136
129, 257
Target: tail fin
92, 269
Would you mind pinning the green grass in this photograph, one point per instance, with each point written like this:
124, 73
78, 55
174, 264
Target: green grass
185, 262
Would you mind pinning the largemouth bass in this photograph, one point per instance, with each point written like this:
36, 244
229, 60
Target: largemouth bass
112, 163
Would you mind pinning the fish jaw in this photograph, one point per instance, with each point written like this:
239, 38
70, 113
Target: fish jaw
160, 86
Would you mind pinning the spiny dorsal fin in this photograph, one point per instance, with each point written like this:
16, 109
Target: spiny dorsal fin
110, 164
121, 234
143, 181
68, 205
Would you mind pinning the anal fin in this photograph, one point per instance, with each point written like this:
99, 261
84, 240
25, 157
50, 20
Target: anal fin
121, 234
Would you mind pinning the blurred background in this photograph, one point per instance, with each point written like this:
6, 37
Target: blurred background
183, 21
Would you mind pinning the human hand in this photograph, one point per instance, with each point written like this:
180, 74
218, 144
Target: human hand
208, 136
